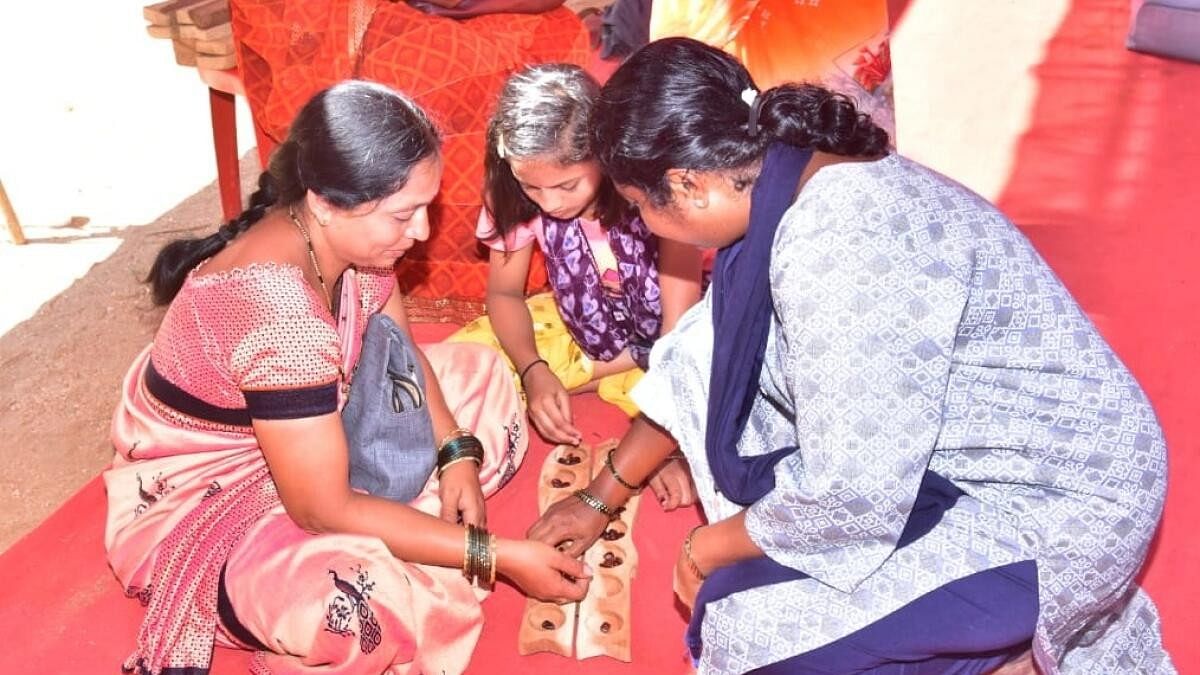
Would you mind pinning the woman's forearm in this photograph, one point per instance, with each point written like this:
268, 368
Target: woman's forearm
639, 453
439, 411
410, 535
680, 267
622, 363
722, 543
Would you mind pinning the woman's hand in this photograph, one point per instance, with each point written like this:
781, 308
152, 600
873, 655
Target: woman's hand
570, 526
542, 572
550, 405
687, 569
686, 584
672, 484
461, 496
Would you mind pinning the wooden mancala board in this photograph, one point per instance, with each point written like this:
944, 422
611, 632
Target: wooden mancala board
599, 624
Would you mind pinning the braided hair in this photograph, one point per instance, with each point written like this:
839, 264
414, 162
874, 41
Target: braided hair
678, 103
352, 143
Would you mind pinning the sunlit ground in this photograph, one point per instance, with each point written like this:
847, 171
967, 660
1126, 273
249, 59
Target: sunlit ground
99, 130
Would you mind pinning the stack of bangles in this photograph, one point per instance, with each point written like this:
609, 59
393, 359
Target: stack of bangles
479, 557
458, 446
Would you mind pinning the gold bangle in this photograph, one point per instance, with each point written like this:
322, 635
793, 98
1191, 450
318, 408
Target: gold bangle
476, 554
480, 553
493, 560
456, 432
447, 465
687, 554
594, 502
613, 470
466, 569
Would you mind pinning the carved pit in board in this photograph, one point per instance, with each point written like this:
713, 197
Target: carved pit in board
599, 625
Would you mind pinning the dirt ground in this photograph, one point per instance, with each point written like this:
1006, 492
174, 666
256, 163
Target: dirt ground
61, 370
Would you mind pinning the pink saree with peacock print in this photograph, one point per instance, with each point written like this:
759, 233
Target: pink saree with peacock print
196, 530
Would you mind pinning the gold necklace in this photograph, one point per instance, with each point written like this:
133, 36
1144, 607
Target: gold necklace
312, 256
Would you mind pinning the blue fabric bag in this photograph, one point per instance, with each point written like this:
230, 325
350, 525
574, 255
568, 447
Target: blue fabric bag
386, 417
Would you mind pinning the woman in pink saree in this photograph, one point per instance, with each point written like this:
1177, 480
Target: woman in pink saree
231, 514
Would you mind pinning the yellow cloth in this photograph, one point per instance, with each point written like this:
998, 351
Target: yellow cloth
556, 345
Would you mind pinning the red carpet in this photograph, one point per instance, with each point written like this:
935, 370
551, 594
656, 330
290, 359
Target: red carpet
1104, 184
65, 613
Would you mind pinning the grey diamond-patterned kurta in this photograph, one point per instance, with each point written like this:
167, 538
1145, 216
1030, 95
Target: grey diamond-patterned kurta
915, 327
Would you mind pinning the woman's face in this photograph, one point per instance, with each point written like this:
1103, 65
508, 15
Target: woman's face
705, 209
561, 191
378, 234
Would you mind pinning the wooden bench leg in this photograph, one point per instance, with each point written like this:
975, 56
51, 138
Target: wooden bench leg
222, 107
10, 217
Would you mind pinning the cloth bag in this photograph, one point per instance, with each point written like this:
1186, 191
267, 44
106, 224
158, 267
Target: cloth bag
386, 416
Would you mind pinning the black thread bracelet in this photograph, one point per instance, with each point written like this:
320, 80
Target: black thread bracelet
525, 370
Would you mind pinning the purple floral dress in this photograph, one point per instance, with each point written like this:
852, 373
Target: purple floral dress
602, 321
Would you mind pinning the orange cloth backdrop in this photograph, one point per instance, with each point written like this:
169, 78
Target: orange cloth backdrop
842, 44
287, 51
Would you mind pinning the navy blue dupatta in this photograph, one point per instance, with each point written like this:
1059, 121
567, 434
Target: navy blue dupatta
741, 321
742, 313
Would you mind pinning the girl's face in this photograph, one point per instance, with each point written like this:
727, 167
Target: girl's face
562, 191
706, 209
378, 234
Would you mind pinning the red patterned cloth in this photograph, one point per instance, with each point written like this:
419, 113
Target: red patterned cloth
287, 51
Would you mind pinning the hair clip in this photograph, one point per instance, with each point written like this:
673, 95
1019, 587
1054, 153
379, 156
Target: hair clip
501, 151
751, 98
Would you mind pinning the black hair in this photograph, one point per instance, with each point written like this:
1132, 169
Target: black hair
353, 143
542, 110
678, 104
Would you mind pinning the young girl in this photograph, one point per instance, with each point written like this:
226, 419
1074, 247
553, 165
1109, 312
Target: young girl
616, 287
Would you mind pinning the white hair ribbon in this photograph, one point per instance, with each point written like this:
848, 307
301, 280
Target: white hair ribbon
752, 99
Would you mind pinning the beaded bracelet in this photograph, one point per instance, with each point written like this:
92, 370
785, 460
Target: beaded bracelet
608, 462
594, 502
687, 554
